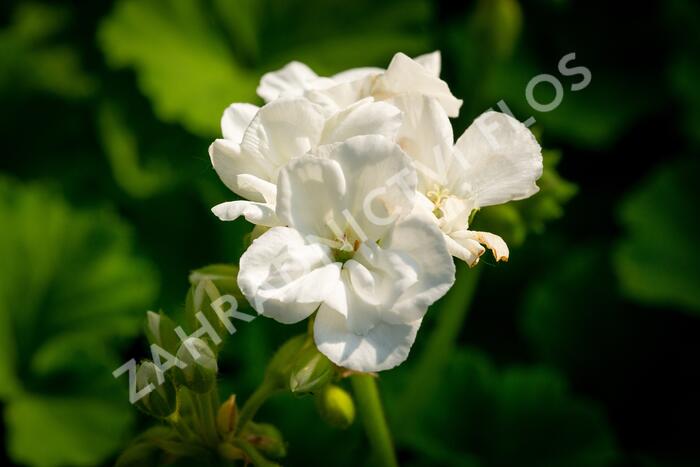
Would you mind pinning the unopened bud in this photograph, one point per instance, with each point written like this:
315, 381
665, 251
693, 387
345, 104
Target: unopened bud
199, 372
335, 406
162, 400
280, 366
212, 284
227, 416
160, 330
310, 369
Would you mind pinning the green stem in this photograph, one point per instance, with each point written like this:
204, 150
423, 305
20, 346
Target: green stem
441, 344
254, 402
370, 406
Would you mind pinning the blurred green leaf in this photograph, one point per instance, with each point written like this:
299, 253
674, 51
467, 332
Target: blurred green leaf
192, 60
657, 259
48, 431
121, 148
517, 416
683, 70
182, 61
71, 293
31, 58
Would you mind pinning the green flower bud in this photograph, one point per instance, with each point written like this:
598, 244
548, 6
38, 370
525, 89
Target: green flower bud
162, 400
310, 369
280, 366
266, 438
160, 330
199, 373
227, 417
335, 406
209, 284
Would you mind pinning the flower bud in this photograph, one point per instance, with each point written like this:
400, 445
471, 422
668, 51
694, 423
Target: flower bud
335, 406
267, 438
199, 373
280, 366
162, 400
310, 369
227, 417
160, 330
209, 284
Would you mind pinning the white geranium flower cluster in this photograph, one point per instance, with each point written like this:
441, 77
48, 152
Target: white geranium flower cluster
365, 197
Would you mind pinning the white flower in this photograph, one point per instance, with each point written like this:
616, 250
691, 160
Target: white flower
403, 75
351, 249
496, 160
258, 142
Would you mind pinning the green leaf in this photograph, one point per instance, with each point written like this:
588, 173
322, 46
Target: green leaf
192, 59
31, 58
122, 151
182, 61
47, 431
656, 261
517, 416
72, 292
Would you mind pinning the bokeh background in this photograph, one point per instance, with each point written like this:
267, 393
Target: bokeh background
581, 351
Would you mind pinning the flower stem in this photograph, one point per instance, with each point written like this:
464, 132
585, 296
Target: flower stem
367, 396
254, 402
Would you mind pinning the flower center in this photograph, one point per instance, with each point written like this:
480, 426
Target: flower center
438, 195
347, 246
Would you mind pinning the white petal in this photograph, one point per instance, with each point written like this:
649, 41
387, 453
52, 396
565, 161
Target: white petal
495, 243
289, 81
373, 281
407, 76
383, 347
286, 277
354, 74
255, 213
341, 94
432, 62
455, 214
310, 196
426, 136
462, 244
424, 244
361, 312
236, 119
497, 160
266, 189
362, 118
229, 162
282, 130
381, 183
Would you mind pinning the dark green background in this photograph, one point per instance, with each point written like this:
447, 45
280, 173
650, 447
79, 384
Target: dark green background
581, 351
